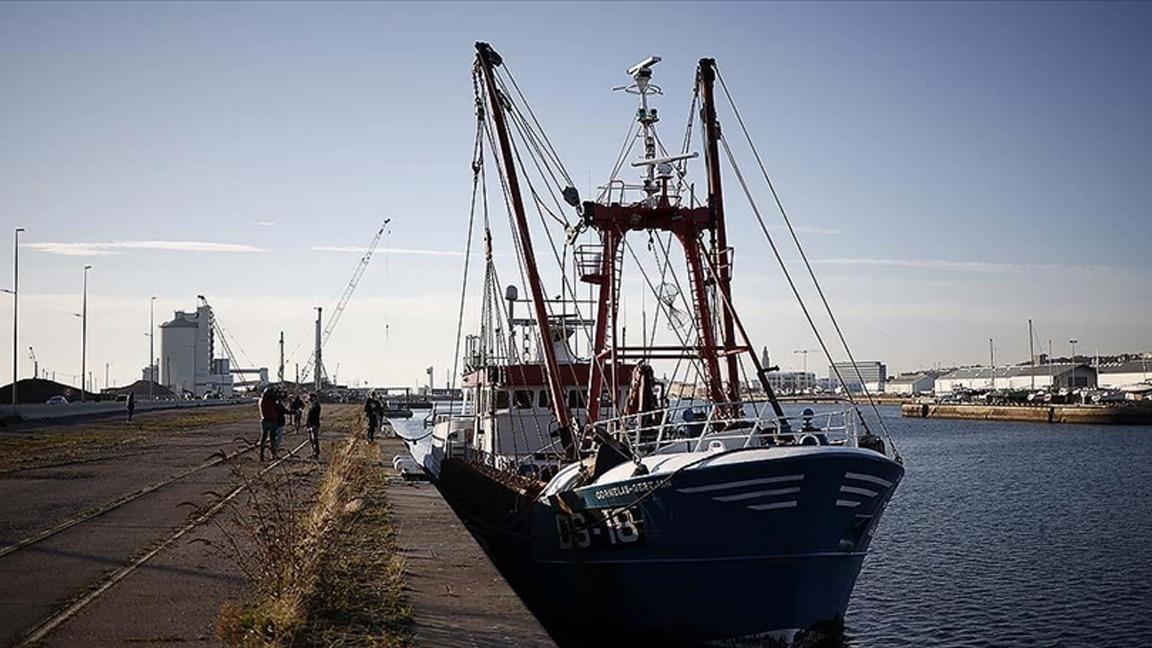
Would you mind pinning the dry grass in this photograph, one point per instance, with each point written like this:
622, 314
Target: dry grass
320, 562
101, 437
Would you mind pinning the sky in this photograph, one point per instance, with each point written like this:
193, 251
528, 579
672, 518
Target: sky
955, 169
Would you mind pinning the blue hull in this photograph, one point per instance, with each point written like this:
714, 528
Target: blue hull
734, 551
739, 550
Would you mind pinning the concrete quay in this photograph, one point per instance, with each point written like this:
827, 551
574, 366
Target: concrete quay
458, 597
1083, 414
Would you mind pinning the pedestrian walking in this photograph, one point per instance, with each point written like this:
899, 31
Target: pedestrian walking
281, 421
297, 411
268, 415
313, 424
372, 412
131, 405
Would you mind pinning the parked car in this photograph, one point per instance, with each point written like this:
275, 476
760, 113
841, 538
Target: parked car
56, 400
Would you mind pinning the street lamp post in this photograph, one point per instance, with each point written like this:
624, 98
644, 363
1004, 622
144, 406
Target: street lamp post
152, 369
15, 310
1073, 342
84, 334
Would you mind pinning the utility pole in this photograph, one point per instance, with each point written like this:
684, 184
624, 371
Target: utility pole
992, 359
1032, 354
153, 370
318, 370
280, 374
84, 334
1051, 384
1073, 342
15, 310
297, 373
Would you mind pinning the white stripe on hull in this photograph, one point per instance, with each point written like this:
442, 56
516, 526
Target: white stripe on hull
738, 484
868, 478
773, 505
755, 494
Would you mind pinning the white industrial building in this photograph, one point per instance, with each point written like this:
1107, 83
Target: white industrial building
187, 350
791, 382
1124, 374
912, 383
874, 374
1063, 376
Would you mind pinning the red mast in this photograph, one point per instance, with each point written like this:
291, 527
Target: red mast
489, 60
723, 260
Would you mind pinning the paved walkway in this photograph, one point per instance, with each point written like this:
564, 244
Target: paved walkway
457, 596
175, 597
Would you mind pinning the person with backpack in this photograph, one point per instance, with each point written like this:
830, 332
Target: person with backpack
313, 424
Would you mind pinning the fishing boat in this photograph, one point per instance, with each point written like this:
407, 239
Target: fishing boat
653, 487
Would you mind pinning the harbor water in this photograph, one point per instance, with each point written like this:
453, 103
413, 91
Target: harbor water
1011, 534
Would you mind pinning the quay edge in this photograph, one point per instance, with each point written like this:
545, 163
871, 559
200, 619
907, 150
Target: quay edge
1082, 414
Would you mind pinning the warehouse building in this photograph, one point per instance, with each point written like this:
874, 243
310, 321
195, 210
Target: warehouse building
1063, 376
911, 384
1124, 374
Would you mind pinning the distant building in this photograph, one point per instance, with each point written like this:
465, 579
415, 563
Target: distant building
1062, 376
791, 382
911, 384
187, 355
1123, 374
150, 373
874, 375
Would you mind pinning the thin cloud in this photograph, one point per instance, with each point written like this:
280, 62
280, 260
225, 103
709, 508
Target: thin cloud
815, 231
963, 266
266, 223
398, 251
117, 247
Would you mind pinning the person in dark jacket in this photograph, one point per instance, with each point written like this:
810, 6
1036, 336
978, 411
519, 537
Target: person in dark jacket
268, 415
281, 421
313, 424
297, 411
372, 412
131, 405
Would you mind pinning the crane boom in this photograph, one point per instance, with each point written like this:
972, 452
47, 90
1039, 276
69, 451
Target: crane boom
222, 335
334, 318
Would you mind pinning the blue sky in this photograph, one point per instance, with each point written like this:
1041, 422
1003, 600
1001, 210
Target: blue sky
958, 168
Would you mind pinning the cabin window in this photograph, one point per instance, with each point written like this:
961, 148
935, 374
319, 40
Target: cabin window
544, 401
501, 399
577, 399
523, 398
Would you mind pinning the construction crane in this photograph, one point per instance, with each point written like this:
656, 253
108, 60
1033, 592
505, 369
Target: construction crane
334, 318
233, 359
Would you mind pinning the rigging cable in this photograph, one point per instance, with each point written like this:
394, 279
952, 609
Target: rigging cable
796, 291
808, 266
477, 167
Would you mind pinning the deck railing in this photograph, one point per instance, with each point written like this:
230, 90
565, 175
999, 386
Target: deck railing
745, 424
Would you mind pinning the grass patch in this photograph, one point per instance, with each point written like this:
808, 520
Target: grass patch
74, 441
320, 558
